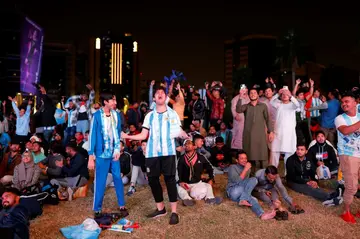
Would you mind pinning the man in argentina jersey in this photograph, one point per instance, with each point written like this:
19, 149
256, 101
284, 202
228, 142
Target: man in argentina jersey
162, 126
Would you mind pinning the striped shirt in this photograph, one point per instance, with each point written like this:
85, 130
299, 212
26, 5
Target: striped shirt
162, 128
315, 102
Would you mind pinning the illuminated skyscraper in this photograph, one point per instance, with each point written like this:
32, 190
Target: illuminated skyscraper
114, 65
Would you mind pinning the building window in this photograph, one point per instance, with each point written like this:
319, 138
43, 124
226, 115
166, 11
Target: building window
97, 43
135, 46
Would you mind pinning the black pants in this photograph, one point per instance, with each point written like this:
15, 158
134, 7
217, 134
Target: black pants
317, 193
303, 132
165, 165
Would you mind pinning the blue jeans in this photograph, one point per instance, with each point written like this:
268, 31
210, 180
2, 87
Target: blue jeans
82, 126
68, 134
242, 191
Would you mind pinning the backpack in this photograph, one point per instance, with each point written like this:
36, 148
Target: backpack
52, 190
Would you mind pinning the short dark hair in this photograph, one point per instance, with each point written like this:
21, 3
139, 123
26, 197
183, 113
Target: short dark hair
256, 89
335, 93
271, 169
300, 144
240, 152
319, 132
349, 94
106, 96
157, 88
72, 145
13, 191
268, 86
197, 136
144, 141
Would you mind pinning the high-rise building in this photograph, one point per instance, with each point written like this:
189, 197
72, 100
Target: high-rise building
248, 60
113, 64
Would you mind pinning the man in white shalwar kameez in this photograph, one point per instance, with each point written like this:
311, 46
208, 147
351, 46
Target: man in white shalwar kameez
285, 123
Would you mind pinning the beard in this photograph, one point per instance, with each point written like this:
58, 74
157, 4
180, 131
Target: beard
254, 99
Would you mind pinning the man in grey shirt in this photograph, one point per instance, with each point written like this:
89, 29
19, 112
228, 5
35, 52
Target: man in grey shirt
270, 186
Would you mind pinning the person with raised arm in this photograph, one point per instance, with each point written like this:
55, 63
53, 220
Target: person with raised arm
162, 125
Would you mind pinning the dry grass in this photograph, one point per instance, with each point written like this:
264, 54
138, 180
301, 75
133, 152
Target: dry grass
201, 221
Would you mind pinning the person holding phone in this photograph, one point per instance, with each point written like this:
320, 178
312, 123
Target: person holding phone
284, 128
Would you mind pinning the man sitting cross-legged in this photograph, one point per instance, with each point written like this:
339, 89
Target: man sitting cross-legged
240, 186
190, 167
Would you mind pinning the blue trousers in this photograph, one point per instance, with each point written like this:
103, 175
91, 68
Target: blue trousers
102, 168
242, 191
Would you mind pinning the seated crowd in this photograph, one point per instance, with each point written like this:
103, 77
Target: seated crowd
57, 157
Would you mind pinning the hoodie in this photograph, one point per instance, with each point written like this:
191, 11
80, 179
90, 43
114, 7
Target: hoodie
326, 153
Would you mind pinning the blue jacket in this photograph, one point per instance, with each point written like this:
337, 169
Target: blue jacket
96, 137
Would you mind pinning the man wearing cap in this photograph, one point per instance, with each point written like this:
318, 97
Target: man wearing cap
190, 168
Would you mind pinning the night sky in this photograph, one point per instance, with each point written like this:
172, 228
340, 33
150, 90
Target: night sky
190, 37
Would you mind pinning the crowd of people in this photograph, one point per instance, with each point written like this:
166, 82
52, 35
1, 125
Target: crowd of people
181, 133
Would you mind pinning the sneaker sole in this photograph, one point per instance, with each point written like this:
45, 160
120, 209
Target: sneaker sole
159, 215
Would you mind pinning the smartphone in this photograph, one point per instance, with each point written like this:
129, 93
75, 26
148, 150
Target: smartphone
285, 87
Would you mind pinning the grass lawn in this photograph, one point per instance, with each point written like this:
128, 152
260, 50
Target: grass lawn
201, 221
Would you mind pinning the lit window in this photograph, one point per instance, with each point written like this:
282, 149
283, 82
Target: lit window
97, 43
135, 46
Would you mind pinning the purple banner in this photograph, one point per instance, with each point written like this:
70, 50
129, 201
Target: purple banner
31, 54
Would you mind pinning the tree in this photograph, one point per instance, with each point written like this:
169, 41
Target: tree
288, 53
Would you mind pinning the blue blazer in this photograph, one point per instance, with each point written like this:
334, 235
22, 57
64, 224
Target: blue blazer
96, 136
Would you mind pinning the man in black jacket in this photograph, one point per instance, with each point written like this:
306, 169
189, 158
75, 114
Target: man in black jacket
14, 217
48, 121
323, 153
190, 168
74, 170
198, 107
300, 177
